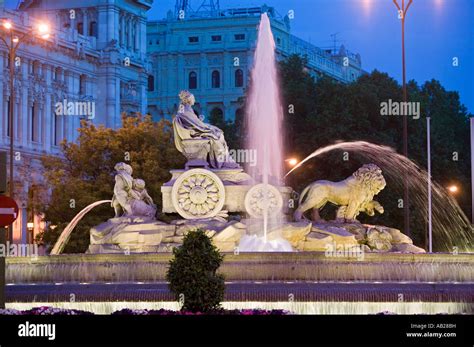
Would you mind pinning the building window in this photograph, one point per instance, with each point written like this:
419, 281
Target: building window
216, 38
120, 31
93, 29
157, 41
35, 67
134, 37
80, 28
278, 41
127, 41
151, 83
239, 37
216, 117
192, 80
150, 42
34, 126
58, 74
216, 79
239, 78
57, 129
193, 39
82, 85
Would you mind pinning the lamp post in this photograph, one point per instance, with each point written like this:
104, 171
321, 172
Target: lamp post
472, 169
430, 223
402, 12
12, 42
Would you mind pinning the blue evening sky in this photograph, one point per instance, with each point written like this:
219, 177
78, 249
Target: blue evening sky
436, 31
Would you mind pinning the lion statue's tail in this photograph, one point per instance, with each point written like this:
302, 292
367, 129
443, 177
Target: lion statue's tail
303, 193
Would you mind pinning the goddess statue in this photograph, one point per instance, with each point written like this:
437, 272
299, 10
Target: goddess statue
187, 125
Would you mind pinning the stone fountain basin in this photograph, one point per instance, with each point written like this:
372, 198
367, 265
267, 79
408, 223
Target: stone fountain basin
295, 266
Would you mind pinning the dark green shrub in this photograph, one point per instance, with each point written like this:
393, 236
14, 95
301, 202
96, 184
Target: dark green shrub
192, 273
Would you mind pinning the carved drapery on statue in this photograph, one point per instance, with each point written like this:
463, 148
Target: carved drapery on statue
210, 140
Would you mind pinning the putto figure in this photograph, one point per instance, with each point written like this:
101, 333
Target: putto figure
187, 125
354, 194
130, 196
142, 203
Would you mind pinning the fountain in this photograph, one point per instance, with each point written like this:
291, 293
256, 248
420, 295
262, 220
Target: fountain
264, 117
248, 216
451, 227
212, 185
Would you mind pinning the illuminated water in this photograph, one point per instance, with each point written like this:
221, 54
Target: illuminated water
264, 117
452, 230
66, 233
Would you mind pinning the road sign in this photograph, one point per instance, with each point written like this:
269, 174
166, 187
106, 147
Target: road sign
8, 211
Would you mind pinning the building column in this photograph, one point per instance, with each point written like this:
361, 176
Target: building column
122, 29
130, 36
137, 35
2, 100
85, 22
227, 71
181, 72
203, 75
47, 115
143, 41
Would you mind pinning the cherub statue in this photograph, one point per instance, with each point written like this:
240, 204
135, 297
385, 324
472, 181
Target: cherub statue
131, 199
142, 203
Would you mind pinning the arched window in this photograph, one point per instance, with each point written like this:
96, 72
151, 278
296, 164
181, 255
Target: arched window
216, 117
216, 79
93, 29
151, 83
192, 80
239, 78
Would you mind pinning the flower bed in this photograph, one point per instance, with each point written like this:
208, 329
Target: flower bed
45, 310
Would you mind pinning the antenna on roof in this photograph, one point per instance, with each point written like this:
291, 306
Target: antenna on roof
335, 41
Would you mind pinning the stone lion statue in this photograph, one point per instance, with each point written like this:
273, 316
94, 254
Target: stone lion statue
353, 195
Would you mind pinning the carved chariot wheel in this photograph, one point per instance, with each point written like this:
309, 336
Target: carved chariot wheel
263, 196
198, 193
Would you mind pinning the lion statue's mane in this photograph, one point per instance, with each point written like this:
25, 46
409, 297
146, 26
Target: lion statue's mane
354, 194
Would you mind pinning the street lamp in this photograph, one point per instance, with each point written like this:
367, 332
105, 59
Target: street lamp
402, 12
292, 161
12, 43
453, 189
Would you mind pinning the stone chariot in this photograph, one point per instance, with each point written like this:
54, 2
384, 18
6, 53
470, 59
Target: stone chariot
200, 192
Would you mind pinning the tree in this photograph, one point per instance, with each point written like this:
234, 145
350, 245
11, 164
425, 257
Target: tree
192, 273
326, 111
84, 173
